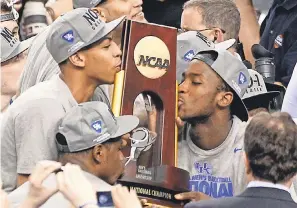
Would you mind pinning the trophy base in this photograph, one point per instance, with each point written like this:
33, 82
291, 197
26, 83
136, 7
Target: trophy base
158, 196
159, 185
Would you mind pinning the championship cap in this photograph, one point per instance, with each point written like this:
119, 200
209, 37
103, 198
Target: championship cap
233, 72
11, 46
75, 30
89, 124
86, 3
12, 15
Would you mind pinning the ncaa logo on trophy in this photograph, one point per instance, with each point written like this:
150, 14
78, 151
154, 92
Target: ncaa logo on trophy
152, 57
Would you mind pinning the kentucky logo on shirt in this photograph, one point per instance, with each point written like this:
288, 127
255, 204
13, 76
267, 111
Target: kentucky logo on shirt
206, 182
278, 42
189, 55
97, 126
68, 36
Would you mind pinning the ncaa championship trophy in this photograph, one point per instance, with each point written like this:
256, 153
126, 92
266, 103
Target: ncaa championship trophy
149, 70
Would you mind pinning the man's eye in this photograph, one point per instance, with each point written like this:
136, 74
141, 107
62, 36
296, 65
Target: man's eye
196, 83
106, 46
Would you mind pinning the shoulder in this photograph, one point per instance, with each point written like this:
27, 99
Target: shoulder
47, 90
98, 183
217, 203
30, 109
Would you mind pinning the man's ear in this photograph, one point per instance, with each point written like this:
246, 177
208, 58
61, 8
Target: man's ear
225, 99
101, 13
78, 59
248, 169
98, 154
218, 35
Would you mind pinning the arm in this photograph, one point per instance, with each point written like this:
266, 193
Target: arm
4, 202
288, 63
290, 100
249, 33
22, 178
35, 128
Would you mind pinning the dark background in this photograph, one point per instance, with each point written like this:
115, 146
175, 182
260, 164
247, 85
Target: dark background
169, 12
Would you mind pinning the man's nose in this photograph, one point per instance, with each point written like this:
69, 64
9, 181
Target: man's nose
137, 3
117, 50
182, 88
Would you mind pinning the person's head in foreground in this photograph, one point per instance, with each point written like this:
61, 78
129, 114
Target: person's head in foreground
218, 20
112, 9
270, 146
109, 10
189, 44
13, 59
82, 44
91, 137
212, 88
9, 17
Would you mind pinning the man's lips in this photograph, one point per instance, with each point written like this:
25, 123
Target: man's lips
118, 67
180, 101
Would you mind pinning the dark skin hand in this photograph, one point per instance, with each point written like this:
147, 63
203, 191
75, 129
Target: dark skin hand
192, 196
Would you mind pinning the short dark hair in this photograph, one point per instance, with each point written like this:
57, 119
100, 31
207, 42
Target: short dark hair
218, 13
254, 112
62, 140
270, 143
4, 7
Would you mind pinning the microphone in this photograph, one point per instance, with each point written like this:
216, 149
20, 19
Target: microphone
264, 63
259, 51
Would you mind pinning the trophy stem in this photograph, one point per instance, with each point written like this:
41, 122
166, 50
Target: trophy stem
118, 93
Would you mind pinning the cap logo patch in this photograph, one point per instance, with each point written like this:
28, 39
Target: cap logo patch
92, 18
242, 78
68, 36
8, 36
97, 126
189, 55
